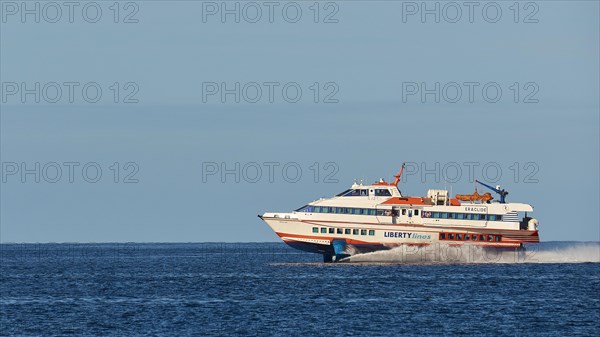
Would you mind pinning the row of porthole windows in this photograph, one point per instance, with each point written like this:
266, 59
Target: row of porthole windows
462, 216
341, 210
469, 237
388, 212
351, 210
346, 231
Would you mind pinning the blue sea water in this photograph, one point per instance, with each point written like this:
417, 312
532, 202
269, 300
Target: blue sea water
215, 289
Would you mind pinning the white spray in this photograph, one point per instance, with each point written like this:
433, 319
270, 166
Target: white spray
550, 252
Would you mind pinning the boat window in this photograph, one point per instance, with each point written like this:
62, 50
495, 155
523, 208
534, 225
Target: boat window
442, 236
404, 211
371, 232
467, 237
380, 192
358, 211
331, 230
373, 212
323, 230
356, 193
459, 216
340, 231
416, 212
474, 237
481, 237
380, 212
458, 236
490, 238
352, 193
497, 237
355, 231
450, 236
363, 232
341, 194
315, 229
444, 215
481, 216
435, 215
450, 215
347, 231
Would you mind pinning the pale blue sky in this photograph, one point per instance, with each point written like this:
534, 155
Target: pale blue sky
369, 53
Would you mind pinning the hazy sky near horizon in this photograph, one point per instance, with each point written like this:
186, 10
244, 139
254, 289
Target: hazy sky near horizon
164, 100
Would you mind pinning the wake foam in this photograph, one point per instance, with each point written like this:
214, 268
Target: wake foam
549, 252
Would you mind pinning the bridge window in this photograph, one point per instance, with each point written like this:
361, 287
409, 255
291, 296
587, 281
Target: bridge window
371, 232
315, 229
356, 193
380, 192
363, 232
343, 193
355, 231
323, 230
347, 231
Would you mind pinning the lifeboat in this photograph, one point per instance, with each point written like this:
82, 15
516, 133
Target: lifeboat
475, 197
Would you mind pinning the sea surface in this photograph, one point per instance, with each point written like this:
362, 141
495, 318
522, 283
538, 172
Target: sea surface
248, 289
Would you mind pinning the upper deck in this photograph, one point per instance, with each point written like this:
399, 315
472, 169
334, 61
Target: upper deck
383, 203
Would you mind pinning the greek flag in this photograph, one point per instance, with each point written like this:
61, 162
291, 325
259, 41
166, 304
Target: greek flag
511, 216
